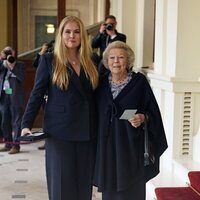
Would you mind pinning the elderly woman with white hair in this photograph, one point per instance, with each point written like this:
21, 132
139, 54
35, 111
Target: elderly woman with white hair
121, 171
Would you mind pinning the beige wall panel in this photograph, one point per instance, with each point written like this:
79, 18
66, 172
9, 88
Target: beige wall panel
4, 30
43, 4
85, 9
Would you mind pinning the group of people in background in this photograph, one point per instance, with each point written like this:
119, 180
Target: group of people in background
88, 141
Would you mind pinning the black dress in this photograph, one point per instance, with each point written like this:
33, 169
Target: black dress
119, 168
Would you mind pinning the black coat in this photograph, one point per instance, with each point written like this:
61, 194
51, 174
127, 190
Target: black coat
69, 114
120, 152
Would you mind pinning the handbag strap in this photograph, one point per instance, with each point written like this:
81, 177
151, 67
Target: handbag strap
146, 143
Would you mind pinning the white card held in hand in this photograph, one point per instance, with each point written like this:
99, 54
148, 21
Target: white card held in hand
128, 114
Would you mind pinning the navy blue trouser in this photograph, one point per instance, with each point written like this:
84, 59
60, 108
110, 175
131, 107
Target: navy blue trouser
11, 121
69, 167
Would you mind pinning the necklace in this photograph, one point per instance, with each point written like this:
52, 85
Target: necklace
73, 63
119, 81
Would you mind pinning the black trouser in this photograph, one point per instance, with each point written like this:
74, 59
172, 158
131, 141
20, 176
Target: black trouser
11, 121
69, 167
1, 133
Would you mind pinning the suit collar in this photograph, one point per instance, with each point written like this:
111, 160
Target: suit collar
75, 79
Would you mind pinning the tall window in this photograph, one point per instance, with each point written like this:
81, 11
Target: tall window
45, 29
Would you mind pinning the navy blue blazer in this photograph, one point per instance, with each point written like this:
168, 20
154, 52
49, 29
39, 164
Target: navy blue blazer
69, 114
16, 83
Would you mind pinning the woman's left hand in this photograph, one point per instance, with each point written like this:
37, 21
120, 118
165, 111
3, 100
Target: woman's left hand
137, 120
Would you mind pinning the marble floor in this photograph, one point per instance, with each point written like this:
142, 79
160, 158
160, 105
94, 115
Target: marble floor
23, 175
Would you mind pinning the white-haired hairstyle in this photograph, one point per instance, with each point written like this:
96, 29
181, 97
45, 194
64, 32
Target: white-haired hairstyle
119, 45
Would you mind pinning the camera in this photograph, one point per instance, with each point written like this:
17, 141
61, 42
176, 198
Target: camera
50, 46
8, 56
109, 27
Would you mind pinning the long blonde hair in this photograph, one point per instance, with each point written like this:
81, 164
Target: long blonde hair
60, 72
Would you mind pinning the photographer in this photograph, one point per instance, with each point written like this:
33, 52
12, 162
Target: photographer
46, 47
1, 133
11, 99
107, 34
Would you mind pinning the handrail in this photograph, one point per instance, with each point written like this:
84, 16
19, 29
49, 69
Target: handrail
93, 29
29, 54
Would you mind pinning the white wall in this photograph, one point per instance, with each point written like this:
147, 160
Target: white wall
188, 41
125, 12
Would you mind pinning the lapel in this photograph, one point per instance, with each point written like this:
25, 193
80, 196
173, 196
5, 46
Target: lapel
75, 80
5, 69
2, 76
108, 40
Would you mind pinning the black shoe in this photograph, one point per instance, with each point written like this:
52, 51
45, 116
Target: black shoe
42, 147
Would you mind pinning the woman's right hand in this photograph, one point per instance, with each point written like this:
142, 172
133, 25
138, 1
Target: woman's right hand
26, 131
137, 120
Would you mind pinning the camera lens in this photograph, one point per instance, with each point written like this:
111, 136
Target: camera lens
11, 59
109, 27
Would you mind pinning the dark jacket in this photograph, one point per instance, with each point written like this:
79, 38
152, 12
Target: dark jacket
120, 151
16, 83
69, 114
36, 60
101, 41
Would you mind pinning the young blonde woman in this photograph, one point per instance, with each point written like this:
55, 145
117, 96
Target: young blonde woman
70, 77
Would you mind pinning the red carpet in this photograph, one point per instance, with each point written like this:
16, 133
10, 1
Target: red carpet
191, 192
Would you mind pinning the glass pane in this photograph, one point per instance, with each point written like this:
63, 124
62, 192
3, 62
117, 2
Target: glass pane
45, 27
35, 18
